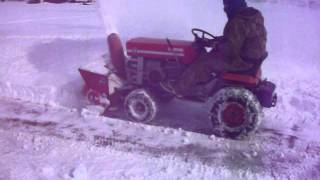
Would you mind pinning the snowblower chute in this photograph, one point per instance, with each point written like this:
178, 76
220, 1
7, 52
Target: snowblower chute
117, 57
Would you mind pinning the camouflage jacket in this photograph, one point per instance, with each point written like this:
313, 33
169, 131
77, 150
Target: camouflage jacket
244, 37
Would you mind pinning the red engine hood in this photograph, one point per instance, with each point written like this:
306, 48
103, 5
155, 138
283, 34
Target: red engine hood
160, 49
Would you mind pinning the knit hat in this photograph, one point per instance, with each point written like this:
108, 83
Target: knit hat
232, 6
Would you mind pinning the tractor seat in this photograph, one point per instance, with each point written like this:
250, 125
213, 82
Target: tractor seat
251, 76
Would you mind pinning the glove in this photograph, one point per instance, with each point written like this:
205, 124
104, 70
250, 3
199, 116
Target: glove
213, 42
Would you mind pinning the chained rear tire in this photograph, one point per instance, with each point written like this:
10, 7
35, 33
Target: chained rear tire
140, 106
235, 112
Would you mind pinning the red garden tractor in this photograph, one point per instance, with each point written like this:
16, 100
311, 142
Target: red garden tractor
235, 99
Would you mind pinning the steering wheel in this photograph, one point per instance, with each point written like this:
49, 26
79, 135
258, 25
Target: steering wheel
202, 40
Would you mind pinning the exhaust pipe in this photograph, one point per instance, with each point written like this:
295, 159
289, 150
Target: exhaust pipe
117, 54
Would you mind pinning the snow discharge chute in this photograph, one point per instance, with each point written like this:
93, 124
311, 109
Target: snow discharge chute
117, 57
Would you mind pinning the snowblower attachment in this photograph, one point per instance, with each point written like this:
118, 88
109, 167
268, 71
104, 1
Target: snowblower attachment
102, 81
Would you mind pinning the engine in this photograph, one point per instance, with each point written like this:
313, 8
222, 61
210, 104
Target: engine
153, 60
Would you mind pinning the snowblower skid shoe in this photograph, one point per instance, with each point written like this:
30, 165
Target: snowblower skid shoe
113, 111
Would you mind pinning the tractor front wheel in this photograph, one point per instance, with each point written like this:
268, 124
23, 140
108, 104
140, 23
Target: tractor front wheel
140, 106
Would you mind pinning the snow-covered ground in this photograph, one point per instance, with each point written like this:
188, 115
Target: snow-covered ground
43, 142
48, 134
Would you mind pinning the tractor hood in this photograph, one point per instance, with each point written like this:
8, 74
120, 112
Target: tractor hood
166, 49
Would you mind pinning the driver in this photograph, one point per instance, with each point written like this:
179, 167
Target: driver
241, 47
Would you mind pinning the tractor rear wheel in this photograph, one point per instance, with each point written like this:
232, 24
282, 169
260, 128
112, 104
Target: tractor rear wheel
235, 112
140, 106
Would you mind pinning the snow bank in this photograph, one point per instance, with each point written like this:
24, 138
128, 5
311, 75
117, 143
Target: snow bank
42, 51
293, 40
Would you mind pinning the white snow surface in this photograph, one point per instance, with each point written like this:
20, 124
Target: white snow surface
47, 133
